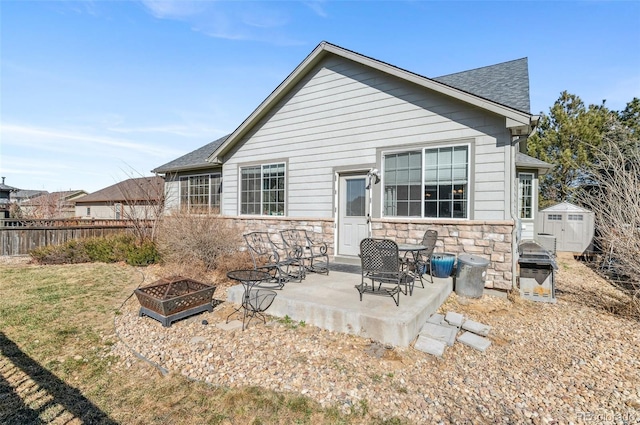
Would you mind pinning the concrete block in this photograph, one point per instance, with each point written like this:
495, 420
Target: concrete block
231, 326
430, 345
444, 333
474, 341
455, 319
476, 327
436, 318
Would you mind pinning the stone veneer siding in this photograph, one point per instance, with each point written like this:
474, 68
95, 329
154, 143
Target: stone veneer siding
487, 239
492, 240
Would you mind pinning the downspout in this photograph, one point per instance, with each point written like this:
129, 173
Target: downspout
514, 215
515, 147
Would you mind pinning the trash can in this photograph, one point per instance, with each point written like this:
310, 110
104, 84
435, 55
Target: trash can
470, 275
442, 264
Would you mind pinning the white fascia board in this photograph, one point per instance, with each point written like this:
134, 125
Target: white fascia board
514, 118
298, 72
515, 115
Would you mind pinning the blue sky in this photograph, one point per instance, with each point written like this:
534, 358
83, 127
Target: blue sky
95, 92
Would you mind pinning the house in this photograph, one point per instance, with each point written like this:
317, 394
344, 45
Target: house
5, 199
54, 205
348, 146
21, 195
135, 198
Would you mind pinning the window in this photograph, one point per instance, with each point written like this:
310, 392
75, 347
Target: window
427, 183
554, 217
262, 189
201, 194
118, 209
575, 217
525, 200
88, 210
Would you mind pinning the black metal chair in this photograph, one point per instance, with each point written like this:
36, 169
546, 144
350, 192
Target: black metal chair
423, 259
381, 266
313, 253
282, 263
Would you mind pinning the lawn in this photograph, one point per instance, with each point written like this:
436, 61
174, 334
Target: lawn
56, 365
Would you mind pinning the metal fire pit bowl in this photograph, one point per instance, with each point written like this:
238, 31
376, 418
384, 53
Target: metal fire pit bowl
168, 300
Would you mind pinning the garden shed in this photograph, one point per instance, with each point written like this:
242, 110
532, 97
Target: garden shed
572, 226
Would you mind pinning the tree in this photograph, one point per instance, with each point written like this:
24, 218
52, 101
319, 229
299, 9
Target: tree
566, 138
630, 116
613, 194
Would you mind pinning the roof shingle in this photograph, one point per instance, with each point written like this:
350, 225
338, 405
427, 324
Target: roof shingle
192, 160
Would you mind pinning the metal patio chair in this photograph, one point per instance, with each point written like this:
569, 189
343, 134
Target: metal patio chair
282, 263
313, 253
382, 273
423, 260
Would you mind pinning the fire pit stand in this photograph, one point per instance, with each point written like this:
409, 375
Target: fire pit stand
168, 300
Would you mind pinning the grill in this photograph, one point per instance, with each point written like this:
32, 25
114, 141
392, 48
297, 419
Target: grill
537, 272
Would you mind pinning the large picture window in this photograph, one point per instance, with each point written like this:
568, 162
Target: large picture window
201, 194
525, 200
262, 189
427, 183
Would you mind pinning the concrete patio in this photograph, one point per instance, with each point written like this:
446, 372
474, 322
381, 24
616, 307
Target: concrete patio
332, 302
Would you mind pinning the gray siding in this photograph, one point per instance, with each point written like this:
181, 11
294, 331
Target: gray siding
342, 113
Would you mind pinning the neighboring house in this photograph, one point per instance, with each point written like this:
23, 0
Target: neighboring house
137, 198
448, 153
5, 199
23, 195
52, 205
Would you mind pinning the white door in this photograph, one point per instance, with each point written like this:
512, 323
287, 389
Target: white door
574, 231
353, 210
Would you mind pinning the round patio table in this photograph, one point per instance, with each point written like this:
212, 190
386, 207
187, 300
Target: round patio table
255, 300
411, 262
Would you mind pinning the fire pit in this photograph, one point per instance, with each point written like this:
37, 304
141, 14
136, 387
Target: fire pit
168, 300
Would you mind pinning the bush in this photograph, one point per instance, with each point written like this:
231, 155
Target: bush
199, 240
111, 249
71, 252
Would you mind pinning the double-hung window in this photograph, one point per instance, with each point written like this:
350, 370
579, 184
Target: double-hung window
262, 189
430, 182
201, 194
525, 200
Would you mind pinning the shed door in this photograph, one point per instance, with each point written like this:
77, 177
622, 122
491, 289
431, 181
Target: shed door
353, 204
574, 232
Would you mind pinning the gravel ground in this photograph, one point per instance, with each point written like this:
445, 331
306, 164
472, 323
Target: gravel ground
571, 362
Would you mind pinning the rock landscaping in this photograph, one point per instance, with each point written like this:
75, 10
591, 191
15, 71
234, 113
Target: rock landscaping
512, 360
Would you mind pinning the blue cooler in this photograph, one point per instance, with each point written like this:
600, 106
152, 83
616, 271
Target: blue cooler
442, 264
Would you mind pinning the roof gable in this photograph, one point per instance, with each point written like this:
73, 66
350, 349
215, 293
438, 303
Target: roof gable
565, 207
514, 117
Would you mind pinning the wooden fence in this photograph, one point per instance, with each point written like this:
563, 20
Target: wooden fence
19, 237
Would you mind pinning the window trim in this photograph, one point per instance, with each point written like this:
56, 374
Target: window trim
210, 176
533, 177
262, 166
423, 148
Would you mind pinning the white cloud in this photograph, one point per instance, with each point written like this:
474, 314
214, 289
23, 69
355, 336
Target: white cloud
173, 9
317, 7
259, 21
58, 140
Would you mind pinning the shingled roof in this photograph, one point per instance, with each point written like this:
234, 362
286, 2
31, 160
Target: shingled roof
506, 83
137, 189
193, 160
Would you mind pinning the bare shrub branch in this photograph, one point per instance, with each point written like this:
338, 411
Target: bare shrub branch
614, 196
205, 240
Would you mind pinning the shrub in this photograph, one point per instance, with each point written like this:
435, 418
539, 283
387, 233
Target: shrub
71, 252
201, 240
121, 247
